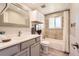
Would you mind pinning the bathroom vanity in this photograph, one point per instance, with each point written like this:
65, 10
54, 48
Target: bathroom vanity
21, 46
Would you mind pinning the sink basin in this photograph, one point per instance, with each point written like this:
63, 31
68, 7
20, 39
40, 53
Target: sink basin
6, 40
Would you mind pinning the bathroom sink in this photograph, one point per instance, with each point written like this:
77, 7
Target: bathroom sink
6, 40
21, 38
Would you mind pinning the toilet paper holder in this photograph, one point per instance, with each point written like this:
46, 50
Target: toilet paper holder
75, 45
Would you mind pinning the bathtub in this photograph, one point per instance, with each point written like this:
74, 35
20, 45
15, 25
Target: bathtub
56, 44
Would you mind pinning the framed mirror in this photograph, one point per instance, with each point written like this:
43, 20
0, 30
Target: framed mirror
16, 15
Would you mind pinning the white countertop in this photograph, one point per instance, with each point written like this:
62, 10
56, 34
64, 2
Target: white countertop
17, 40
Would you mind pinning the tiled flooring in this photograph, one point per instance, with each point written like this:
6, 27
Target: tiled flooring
53, 52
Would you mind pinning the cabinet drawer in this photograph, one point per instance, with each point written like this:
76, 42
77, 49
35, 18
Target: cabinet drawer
27, 43
23, 53
37, 39
10, 51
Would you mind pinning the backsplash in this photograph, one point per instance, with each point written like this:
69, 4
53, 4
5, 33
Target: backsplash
13, 31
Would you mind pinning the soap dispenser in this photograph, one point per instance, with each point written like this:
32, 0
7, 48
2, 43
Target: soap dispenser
1, 35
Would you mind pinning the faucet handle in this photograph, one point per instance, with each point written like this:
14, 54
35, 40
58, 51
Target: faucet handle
19, 33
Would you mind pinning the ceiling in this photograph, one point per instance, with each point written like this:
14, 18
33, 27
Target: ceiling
49, 7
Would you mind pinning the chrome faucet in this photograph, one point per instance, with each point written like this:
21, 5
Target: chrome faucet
19, 33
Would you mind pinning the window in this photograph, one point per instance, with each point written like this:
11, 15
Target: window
51, 23
55, 22
39, 26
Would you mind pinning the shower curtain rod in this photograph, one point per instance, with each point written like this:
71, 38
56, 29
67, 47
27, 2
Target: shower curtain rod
58, 12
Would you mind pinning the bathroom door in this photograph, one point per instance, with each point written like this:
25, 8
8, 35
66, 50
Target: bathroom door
74, 36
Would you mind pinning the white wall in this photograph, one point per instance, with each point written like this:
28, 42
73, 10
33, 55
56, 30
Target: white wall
74, 35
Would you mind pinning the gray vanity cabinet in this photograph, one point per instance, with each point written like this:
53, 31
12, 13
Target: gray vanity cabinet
10, 50
25, 52
29, 47
33, 45
26, 44
35, 49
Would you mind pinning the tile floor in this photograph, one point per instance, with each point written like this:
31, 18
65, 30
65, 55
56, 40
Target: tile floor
53, 52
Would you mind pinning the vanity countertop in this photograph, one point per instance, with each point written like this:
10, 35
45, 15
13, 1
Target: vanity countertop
17, 40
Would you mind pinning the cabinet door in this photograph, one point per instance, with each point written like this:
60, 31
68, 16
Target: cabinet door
26, 44
35, 49
23, 53
10, 51
37, 39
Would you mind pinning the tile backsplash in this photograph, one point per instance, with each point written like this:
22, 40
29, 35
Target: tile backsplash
13, 31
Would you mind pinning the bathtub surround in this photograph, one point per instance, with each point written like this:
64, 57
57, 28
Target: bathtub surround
53, 32
56, 44
58, 35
